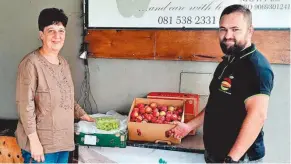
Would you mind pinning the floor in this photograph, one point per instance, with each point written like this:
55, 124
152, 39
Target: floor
135, 155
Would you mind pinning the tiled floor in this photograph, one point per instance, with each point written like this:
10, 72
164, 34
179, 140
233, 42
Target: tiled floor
137, 152
135, 155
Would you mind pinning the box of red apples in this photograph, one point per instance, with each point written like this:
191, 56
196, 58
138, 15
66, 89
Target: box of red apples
151, 119
191, 103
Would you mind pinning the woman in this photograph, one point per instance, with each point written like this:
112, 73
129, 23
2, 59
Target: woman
45, 96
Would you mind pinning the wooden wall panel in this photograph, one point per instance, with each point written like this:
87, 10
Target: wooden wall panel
275, 45
195, 45
188, 45
121, 44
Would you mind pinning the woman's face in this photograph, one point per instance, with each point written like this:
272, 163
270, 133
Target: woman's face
53, 37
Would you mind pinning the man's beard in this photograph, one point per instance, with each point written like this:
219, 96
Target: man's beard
232, 50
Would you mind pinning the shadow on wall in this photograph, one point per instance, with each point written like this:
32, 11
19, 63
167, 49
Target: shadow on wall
7, 127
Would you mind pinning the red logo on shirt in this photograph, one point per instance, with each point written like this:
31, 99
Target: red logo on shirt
226, 85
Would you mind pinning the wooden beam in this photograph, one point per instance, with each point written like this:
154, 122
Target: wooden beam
187, 45
121, 44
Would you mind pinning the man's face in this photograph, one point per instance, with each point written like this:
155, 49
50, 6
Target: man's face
234, 33
53, 37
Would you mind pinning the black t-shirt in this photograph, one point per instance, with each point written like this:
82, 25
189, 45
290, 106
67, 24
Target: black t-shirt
235, 79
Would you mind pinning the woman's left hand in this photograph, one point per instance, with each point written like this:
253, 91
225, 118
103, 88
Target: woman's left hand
87, 118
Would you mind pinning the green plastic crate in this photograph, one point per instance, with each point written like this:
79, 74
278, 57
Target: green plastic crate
102, 140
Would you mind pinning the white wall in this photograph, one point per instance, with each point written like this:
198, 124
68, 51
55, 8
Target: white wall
116, 82
19, 36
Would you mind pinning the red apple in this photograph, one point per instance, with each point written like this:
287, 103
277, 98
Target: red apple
169, 119
168, 133
162, 118
174, 117
142, 110
135, 109
138, 118
179, 118
142, 116
180, 110
162, 113
144, 121
149, 117
163, 108
140, 105
156, 114
154, 120
156, 110
148, 109
134, 114
169, 115
176, 112
153, 105
169, 112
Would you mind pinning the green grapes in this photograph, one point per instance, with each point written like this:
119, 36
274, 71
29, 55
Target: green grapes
107, 123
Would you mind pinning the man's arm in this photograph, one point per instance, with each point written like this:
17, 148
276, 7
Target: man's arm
182, 129
256, 107
197, 121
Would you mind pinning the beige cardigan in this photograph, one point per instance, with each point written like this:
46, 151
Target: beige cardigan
45, 103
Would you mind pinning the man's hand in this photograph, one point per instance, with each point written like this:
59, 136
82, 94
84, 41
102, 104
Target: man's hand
180, 130
85, 117
36, 148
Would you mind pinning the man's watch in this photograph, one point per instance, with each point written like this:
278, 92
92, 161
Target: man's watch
228, 159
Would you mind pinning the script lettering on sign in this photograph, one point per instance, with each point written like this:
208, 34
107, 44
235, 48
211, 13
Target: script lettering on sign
181, 13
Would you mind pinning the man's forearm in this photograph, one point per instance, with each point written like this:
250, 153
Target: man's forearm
250, 130
256, 107
197, 121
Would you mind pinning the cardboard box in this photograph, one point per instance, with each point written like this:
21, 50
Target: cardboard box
153, 132
191, 103
102, 140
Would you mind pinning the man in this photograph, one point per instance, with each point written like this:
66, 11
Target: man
45, 96
239, 95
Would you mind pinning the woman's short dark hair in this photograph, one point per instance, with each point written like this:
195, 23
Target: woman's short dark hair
238, 8
51, 16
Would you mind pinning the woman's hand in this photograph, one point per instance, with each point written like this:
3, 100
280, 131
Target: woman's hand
36, 148
85, 117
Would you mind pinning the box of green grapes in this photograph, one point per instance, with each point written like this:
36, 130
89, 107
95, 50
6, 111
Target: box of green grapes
103, 140
110, 134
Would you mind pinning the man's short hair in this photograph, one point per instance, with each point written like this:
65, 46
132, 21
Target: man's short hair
238, 8
50, 16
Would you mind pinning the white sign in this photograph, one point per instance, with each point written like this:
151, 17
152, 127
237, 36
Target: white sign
90, 140
181, 13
